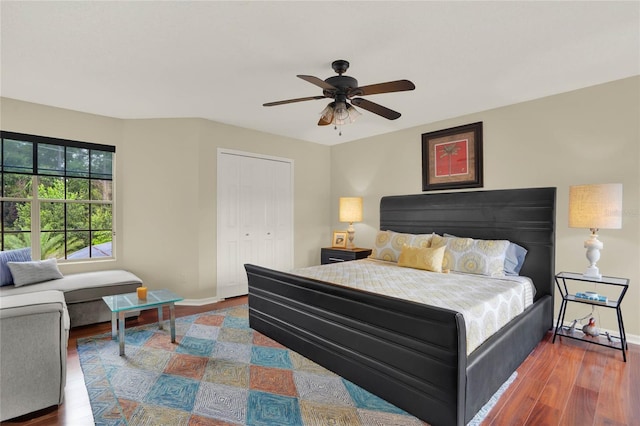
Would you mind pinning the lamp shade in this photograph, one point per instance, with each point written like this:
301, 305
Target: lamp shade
350, 209
596, 206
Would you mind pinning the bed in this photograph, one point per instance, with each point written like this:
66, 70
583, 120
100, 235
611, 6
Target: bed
408, 353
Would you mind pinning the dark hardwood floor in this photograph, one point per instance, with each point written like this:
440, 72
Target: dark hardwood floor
566, 383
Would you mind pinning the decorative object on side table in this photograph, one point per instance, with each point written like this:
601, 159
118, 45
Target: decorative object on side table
142, 292
452, 158
590, 329
350, 211
595, 207
339, 239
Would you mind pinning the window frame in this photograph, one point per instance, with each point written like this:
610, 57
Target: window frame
37, 200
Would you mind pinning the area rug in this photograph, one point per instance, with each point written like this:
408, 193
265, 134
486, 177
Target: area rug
221, 372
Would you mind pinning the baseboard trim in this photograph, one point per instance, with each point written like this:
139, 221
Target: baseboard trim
199, 302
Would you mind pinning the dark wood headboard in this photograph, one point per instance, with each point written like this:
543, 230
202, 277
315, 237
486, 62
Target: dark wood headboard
522, 216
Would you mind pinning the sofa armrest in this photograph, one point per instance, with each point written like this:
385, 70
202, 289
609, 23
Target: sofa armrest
34, 303
34, 334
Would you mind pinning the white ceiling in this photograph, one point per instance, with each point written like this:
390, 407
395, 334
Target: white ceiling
222, 60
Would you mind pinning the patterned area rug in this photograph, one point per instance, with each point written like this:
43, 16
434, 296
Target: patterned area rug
222, 373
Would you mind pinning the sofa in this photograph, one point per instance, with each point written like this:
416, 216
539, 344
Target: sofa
34, 329
83, 293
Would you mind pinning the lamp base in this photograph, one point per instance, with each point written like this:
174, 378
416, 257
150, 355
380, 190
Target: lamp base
593, 246
351, 232
592, 272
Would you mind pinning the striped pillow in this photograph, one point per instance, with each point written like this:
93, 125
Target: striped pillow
19, 255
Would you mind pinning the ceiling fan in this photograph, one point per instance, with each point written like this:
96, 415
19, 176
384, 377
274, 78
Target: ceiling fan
342, 89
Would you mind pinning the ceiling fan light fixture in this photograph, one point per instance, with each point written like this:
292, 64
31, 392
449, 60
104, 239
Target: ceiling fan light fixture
353, 113
327, 113
340, 111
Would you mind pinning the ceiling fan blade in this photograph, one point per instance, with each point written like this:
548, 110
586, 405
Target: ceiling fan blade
388, 87
318, 82
289, 101
376, 108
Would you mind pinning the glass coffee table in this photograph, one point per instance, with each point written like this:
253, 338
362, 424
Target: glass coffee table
122, 303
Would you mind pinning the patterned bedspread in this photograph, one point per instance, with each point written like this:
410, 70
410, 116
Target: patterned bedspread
486, 304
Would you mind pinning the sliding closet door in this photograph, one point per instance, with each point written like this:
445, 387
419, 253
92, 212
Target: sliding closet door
255, 222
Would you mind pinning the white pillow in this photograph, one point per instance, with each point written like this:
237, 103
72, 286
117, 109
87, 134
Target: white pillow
34, 272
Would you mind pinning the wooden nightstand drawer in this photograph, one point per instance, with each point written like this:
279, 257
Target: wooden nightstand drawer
333, 255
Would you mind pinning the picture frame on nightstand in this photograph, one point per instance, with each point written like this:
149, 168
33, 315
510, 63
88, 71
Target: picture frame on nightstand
339, 239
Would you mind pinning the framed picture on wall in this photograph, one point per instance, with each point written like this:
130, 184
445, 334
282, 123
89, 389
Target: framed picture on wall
339, 239
452, 158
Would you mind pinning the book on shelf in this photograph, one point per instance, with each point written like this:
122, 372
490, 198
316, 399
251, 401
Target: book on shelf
591, 296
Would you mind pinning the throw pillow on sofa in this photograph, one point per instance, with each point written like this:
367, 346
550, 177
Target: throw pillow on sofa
19, 255
34, 272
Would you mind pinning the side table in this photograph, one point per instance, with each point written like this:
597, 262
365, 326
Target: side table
121, 303
622, 283
333, 255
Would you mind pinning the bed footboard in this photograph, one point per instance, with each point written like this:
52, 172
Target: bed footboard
411, 355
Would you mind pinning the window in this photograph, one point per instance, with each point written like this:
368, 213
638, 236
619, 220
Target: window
56, 196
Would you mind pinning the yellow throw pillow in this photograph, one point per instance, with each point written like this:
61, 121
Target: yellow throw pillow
429, 259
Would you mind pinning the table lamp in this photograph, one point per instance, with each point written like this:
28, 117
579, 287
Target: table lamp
595, 207
351, 211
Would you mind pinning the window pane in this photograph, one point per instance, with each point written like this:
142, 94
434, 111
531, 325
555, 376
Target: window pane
52, 216
101, 190
78, 216
16, 240
101, 218
16, 216
51, 159
51, 188
78, 244
101, 164
18, 186
77, 162
18, 156
52, 245
77, 189
101, 244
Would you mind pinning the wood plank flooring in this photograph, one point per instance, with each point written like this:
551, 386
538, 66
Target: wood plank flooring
566, 383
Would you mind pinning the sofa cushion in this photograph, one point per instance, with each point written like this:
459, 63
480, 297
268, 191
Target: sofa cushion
85, 286
36, 271
19, 255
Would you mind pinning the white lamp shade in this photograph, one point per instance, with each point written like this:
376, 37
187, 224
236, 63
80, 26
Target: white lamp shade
350, 209
596, 206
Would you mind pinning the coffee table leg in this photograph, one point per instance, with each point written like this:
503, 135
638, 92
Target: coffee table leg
121, 331
172, 322
114, 328
160, 318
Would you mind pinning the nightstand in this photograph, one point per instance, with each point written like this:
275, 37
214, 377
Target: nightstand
615, 342
333, 255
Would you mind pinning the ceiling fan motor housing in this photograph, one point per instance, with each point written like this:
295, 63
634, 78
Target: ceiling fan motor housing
343, 83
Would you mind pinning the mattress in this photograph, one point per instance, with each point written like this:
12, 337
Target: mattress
486, 303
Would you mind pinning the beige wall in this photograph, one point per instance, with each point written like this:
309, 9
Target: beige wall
586, 136
166, 190
166, 176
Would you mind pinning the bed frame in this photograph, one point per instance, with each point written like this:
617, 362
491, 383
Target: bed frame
413, 355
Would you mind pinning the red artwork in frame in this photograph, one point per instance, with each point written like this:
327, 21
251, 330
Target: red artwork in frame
452, 158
